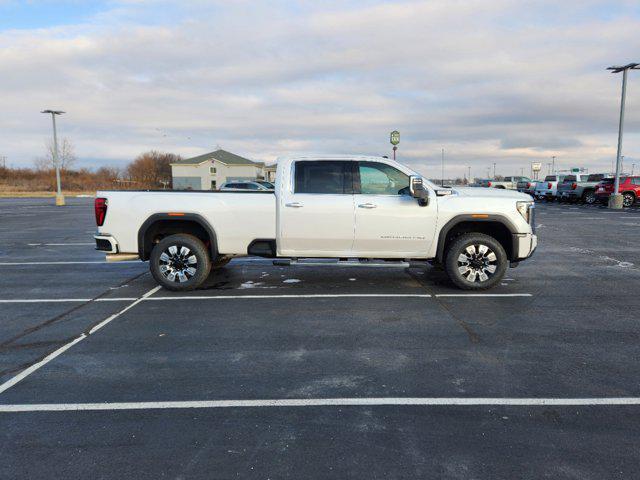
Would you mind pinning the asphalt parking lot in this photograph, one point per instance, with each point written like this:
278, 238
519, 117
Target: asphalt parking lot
311, 372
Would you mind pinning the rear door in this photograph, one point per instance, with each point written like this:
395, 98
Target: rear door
389, 223
316, 212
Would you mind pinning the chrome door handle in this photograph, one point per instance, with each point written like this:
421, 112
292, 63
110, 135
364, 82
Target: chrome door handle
293, 205
367, 205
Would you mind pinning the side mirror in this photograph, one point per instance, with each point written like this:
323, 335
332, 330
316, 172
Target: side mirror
418, 190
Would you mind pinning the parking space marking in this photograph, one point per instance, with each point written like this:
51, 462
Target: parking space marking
324, 402
66, 300
103, 262
249, 297
483, 295
28, 371
58, 244
310, 295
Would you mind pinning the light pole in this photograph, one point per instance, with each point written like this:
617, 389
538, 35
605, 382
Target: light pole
494, 170
394, 138
469, 167
616, 200
59, 196
442, 182
553, 165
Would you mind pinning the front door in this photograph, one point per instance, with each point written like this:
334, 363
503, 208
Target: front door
389, 222
316, 212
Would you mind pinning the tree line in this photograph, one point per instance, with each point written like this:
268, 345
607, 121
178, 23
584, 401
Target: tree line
149, 170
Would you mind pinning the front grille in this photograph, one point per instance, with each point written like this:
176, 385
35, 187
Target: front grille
532, 217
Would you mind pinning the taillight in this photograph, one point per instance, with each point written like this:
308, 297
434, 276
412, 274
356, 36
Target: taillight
528, 185
549, 185
488, 184
574, 186
100, 205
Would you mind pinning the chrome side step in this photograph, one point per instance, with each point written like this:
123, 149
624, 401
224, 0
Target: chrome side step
286, 262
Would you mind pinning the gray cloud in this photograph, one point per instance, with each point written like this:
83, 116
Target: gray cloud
489, 81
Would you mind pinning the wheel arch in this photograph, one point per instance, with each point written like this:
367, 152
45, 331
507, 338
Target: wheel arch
160, 225
496, 226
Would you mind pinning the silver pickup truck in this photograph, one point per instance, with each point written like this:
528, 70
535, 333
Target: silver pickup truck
581, 187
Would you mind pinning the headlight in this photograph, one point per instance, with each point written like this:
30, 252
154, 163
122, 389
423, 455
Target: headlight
525, 209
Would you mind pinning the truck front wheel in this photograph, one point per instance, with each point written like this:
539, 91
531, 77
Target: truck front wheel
180, 262
475, 261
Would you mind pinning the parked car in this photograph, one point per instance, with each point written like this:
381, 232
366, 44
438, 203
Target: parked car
509, 183
242, 185
585, 191
548, 188
526, 185
340, 207
629, 188
569, 184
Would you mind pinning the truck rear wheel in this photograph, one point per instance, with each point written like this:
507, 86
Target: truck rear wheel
180, 262
475, 261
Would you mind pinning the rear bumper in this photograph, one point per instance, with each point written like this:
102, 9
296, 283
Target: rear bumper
106, 243
524, 244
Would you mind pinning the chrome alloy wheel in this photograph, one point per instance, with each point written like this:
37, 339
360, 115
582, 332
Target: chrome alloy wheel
477, 263
178, 265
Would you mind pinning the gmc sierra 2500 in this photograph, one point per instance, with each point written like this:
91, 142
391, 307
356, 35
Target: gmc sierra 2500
323, 207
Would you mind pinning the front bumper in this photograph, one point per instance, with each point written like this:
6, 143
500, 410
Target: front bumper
524, 244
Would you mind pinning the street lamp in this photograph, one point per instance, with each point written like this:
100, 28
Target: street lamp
59, 196
615, 200
394, 138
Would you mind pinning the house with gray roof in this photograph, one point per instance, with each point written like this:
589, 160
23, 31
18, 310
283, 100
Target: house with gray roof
209, 171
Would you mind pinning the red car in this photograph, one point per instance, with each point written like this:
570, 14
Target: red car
629, 188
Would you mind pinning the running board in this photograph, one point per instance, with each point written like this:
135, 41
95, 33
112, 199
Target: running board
285, 262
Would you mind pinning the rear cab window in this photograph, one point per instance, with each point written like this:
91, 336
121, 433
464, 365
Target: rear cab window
329, 177
550, 178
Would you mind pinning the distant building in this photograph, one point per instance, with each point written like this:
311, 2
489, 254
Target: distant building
209, 171
270, 173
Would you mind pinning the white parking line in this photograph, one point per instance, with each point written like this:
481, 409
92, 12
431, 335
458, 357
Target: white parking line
324, 402
253, 297
28, 371
484, 295
70, 263
319, 295
57, 244
66, 300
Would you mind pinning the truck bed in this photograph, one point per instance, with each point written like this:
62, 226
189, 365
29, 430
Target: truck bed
239, 217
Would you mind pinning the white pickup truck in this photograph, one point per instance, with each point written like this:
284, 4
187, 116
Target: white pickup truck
340, 207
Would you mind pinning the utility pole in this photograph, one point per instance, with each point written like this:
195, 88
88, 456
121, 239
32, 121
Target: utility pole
494, 170
616, 200
59, 196
553, 163
469, 167
443, 167
622, 164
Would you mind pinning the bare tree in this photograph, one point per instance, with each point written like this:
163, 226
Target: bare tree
66, 156
152, 169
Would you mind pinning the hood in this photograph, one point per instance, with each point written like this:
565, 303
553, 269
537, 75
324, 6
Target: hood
491, 192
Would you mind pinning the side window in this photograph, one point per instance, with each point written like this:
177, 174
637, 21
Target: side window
252, 186
325, 176
636, 180
242, 186
381, 179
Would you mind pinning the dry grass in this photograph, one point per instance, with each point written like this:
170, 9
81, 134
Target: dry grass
41, 194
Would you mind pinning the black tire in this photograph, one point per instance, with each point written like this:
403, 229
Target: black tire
173, 265
589, 197
628, 199
479, 263
220, 262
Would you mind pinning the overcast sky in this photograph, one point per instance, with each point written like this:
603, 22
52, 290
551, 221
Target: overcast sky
509, 82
